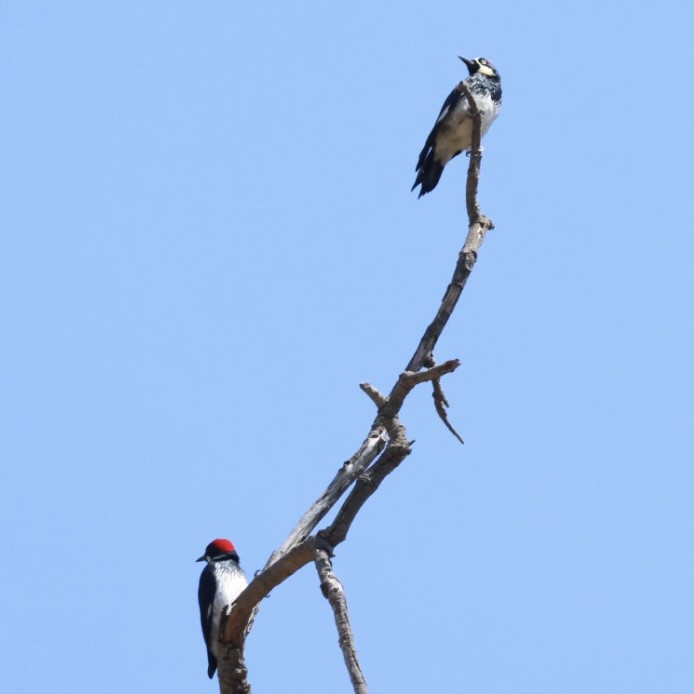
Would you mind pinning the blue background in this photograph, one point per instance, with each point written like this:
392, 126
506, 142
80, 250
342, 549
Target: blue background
208, 241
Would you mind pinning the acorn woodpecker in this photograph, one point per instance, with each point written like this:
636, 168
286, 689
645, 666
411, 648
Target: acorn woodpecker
452, 132
221, 582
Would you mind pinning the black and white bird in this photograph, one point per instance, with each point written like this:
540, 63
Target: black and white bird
452, 132
221, 582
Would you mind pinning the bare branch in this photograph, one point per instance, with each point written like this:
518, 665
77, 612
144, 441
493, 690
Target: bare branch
396, 451
368, 452
376, 396
441, 403
413, 378
409, 379
233, 676
234, 630
351, 469
332, 589
473, 174
232, 671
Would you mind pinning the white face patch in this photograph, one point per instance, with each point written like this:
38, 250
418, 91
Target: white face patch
486, 70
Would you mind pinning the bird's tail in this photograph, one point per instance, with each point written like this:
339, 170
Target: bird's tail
211, 664
428, 174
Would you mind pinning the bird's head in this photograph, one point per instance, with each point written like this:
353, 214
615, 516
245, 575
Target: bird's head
219, 549
481, 66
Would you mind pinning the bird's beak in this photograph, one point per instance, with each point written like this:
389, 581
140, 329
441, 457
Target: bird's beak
202, 558
470, 63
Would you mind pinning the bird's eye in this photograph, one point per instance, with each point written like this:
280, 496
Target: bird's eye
482, 61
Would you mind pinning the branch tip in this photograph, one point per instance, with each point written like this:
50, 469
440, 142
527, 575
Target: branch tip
440, 404
376, 396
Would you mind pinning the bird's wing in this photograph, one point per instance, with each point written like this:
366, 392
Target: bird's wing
451, 102
448, 105
206, 591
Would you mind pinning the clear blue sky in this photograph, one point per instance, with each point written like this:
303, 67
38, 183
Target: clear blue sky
208, 240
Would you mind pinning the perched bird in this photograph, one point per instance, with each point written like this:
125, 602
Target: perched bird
221, 582
452, 132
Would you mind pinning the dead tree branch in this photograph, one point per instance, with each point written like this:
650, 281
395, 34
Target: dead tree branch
350, 470
232, 671
334, 592
384, 448
441, 403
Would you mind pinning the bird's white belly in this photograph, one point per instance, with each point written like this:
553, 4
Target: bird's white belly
230, 586
456, 135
